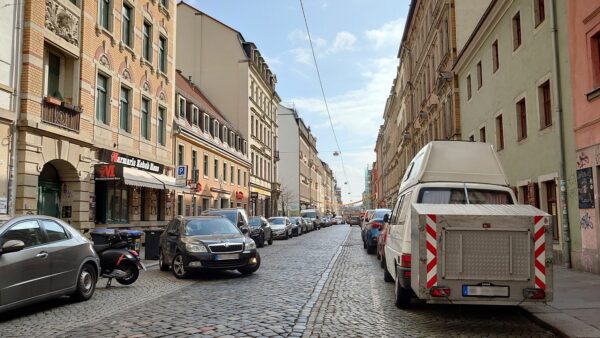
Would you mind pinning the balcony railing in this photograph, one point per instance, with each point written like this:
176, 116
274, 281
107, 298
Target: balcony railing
61, 114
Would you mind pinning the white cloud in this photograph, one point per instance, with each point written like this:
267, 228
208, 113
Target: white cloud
343, 41
302, 55
388, 34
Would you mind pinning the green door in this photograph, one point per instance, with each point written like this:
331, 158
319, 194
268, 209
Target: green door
48, 198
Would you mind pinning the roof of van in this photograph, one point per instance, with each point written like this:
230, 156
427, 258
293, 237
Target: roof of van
455, 161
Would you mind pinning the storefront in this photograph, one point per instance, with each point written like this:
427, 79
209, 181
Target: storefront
131, 191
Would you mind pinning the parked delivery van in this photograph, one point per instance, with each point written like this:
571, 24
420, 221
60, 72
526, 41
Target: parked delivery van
456, 234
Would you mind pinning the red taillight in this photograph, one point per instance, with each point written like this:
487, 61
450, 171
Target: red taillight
438, 291
405, 260
534, 293
407, 274
376, 225
133, 252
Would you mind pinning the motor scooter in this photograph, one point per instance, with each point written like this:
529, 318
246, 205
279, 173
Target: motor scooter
118, 261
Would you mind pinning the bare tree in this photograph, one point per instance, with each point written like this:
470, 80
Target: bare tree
287, 196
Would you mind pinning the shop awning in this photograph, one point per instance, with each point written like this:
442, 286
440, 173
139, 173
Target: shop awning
169, 182
141, 178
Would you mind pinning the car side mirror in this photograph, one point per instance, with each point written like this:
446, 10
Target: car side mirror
240, 223
386, 218
12, 246
244, 230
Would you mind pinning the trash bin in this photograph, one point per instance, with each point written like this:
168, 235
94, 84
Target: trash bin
133, 238
101, 235
152, 243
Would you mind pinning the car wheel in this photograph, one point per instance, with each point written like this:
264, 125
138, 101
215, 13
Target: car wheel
86, 283
178, 267
250, 269
271, 239
161, 262
402, 295
133, 272
261, 243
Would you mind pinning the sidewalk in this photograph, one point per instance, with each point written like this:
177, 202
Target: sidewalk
575, 310
147, 263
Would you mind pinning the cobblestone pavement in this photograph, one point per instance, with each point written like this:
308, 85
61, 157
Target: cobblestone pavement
320, 284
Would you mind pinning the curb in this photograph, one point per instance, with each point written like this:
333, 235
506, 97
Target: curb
556, 330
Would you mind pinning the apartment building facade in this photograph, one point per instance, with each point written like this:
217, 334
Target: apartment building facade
584, 50
236, 79
11, 38
509, 78
97, 90
213, 152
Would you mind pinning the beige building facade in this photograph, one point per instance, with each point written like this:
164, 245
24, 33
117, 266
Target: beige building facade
235, 77
213, 151
97, 89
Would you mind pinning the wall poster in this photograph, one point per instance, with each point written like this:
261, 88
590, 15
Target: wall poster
585, 187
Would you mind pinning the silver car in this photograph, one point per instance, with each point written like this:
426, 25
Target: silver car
43, 257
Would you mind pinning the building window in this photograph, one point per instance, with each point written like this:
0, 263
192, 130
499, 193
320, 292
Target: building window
495, 58
239, 179
195, 173
223, 136
147, 41
216, 129
224, 172
252, 125
216, 168
499, 133
195, 115
127, 23
469, 87
231, 174
104, 14
539, 11
180, 205
205, 165
162, 54
479, 75
482, 135
552, 206
472, 138
161, 128
102, 98
124, 113
595, 57
180, 154
516, 27
145, 119
245, 179
182, 106
521, 120
545, 105
53, 84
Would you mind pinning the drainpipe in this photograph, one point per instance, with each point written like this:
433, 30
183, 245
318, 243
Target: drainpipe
12, 192
559, 111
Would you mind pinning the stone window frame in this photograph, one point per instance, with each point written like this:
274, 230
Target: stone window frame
517, 30
162, 57
130, 107
148, 45
161, 141
520, 104
106, 74
145, 97
546, 79
132, 18
109, 25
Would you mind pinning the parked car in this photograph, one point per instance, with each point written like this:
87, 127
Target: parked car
300, 225
43, 257
237, 216
339, 220
206, 243
371, 229
381, 239
354, 220
363, 222
260, 231
282, 227
309, 223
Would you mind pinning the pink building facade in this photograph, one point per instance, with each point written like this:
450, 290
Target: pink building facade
584, 45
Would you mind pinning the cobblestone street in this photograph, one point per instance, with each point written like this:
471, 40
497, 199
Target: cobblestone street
320, 284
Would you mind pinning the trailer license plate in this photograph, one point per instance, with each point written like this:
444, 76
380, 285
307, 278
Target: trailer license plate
227, 257
485, 291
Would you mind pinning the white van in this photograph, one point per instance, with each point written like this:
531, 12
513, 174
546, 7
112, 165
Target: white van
456, 234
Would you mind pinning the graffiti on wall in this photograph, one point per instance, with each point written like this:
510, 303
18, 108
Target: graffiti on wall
586, 221
585, 186
583, 160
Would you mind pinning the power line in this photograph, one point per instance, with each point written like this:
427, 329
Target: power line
323, 90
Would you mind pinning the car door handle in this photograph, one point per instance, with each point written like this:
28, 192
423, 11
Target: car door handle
42, 254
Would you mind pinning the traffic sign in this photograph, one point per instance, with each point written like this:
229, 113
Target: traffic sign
181, 178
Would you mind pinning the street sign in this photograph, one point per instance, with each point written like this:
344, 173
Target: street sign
181, 178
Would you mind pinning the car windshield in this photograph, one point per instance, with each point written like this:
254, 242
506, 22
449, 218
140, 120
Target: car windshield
295, 219
381, 213
309, 214
457, 196
254, 221
277, 220
229, 214
205, 227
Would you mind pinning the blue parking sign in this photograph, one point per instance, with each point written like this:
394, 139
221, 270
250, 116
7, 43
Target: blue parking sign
181, 170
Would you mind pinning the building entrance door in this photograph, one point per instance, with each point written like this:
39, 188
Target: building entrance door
49, 184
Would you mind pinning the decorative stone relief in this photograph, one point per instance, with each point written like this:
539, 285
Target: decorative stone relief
62, 22
104, 61
126, 75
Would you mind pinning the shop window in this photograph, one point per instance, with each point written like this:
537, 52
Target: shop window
205, 204
124, 119
545, 105
499, 133
521, 120
127, 25
495, 56
112, 202
161, 127
145, 119
147, 41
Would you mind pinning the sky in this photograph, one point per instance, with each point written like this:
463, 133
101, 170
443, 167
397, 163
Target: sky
356, 44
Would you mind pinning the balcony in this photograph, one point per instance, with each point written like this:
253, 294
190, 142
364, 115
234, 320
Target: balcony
61, 114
